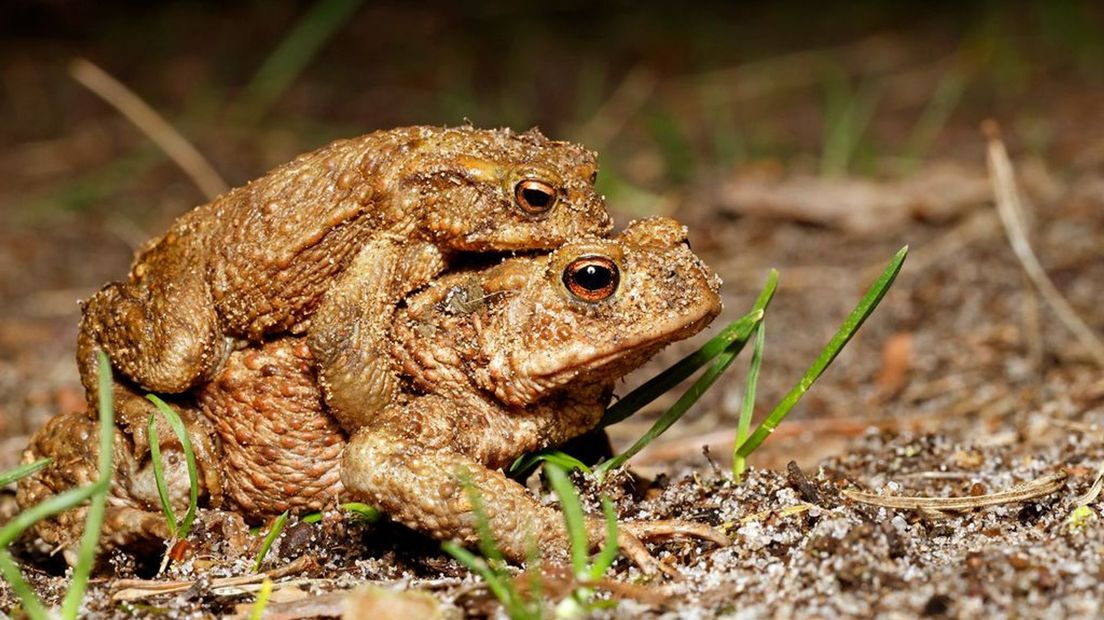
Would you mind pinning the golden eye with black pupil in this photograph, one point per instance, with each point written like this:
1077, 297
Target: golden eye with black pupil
591, 278
534, 197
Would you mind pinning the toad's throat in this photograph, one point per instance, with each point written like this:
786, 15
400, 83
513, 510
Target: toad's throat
535, 376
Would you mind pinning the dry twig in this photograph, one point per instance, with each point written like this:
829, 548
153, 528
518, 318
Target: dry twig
608, 121
149, 122
1021, 493
137, 589
1011, 212
1094, 491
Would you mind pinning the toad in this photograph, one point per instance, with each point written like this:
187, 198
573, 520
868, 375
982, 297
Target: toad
324, 247
494, 363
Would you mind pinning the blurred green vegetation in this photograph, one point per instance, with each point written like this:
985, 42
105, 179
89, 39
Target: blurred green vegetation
669, 95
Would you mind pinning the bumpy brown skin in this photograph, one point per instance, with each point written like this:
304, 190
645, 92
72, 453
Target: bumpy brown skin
496, 362
282, 451
326, 245
70, 439
499, 362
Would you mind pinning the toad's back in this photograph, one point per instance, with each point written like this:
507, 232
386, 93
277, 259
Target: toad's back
278, 254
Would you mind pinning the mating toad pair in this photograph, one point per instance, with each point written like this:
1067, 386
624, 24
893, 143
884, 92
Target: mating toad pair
332, 332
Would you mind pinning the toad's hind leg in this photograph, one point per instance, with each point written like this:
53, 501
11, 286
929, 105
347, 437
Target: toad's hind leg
123, 321
161, 332
159, 329
131, 517
348, 336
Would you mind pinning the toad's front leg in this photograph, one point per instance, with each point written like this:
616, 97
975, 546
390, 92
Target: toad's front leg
422, 482
349, 333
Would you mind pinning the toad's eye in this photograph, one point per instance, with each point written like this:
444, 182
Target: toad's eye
591, 278
534, 197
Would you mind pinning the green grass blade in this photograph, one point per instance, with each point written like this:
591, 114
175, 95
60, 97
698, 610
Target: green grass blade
31, 605
159, 474
683, 404
21, 472
44, 510
524, 462
563, 459
739, 463
608, 554
494, 581
851, 325
364, 512
847, 114
177, 426
534, 604
273, 533
86, 556
93, 522
262, 600
492, 566
288, 60
944, 100
574, 519
669, 378
488, 546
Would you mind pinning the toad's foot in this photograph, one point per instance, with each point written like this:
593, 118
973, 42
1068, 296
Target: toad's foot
349, 333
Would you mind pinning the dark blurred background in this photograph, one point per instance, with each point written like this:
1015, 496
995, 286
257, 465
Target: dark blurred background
669, 94
689, 106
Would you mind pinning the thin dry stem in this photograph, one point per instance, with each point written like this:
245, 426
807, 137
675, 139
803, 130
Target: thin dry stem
137, 589
1030, 490
1011, 211
622, 104
1094, 491
149, 122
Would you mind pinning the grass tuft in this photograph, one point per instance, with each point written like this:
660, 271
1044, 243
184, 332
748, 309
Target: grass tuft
720, 352
492, 566
581, 603
176, 530
842, 336
86, 553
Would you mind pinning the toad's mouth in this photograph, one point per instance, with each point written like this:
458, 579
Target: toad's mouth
538, 376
